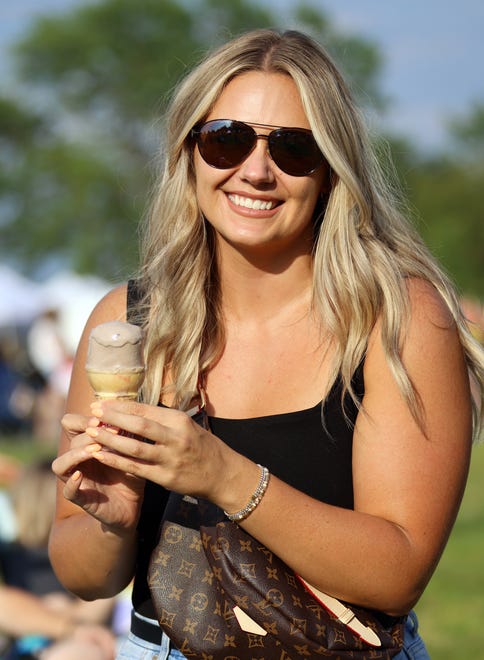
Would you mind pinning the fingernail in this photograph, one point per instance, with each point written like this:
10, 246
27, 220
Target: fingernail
76, 476
92, 449
96, 409
92, 432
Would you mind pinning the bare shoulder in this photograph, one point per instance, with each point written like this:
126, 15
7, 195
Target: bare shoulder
428, 306
430, 327
112, 307
431, 342
432, 356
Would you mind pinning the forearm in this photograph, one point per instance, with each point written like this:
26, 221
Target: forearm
22, 613
353, 556
90, 560
357, 557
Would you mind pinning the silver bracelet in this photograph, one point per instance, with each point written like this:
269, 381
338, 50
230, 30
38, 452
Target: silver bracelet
255, 498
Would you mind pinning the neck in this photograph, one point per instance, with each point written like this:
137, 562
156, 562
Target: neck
262, 289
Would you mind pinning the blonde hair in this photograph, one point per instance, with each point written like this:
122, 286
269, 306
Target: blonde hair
364, 248
33, 499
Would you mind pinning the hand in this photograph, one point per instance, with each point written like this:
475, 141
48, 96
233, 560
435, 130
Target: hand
96, 635
179, 455
83, 641
108, 494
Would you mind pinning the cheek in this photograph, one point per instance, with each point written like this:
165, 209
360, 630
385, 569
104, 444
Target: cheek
310, 194
207, 193
206, 177
202, 181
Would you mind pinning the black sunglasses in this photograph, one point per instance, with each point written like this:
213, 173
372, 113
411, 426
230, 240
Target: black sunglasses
225, 143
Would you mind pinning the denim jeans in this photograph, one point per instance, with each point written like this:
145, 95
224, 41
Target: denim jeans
413, 644
135, 648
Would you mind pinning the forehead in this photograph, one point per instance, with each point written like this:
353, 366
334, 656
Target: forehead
262, 98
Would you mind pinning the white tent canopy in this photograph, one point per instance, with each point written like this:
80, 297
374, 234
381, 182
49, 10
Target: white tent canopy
72, 296
20, 299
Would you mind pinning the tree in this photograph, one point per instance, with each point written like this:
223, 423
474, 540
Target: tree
100, 76
447, 194
445, 191
468, 132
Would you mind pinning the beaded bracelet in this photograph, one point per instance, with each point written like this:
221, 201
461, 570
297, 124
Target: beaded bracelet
255, 498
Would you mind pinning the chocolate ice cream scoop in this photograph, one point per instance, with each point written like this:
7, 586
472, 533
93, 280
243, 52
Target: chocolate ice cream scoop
114, 365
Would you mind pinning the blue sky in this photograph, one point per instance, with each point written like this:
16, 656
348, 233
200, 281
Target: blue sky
433, 52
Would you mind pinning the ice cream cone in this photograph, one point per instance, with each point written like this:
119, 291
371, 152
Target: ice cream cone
114, 365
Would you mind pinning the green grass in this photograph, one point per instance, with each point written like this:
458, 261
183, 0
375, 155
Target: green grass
24, 449
451, 611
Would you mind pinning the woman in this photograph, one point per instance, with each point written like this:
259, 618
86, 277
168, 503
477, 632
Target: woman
279, 273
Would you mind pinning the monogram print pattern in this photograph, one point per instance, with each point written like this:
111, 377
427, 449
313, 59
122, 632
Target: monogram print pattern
205, 565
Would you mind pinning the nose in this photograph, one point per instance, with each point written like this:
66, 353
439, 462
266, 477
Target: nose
258, 166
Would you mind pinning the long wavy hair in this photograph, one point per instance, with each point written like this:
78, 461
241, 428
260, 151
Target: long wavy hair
364, 248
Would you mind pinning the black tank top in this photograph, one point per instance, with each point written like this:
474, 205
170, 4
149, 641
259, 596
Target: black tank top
297, 447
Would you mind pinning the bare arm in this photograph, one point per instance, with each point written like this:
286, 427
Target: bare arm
408, 484
93, 540
22, 614
407, 487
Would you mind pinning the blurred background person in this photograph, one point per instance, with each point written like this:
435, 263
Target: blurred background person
38, 618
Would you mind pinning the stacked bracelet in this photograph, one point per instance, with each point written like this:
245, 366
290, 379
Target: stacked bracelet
255, 498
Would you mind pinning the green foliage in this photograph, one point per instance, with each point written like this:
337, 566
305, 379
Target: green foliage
359, 58
100, 76
17, 125
444, 194
449, 198
73, 207
468, 132
452, 608
75, 174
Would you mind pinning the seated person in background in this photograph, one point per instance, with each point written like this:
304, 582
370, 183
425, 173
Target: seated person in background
9, 470
36, 613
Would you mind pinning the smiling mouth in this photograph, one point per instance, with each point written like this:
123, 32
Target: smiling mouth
249, 203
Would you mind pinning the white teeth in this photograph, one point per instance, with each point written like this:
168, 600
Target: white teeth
249, 203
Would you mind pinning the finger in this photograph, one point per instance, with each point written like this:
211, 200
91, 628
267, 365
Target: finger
72, 423
72, 486
126, 464
133, 425
65, 465
127, 406
110, 409
133, 459
93, 422
125, 444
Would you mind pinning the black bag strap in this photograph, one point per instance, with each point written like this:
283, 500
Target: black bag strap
134, 295
155, 496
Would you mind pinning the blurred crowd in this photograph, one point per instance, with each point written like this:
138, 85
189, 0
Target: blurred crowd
35, 368
40, 326
38, 618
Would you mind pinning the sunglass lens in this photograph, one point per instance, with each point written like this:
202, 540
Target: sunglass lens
225, 144
295, 151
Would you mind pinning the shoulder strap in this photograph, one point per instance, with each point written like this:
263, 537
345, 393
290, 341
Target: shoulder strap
133, 299
155, 496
